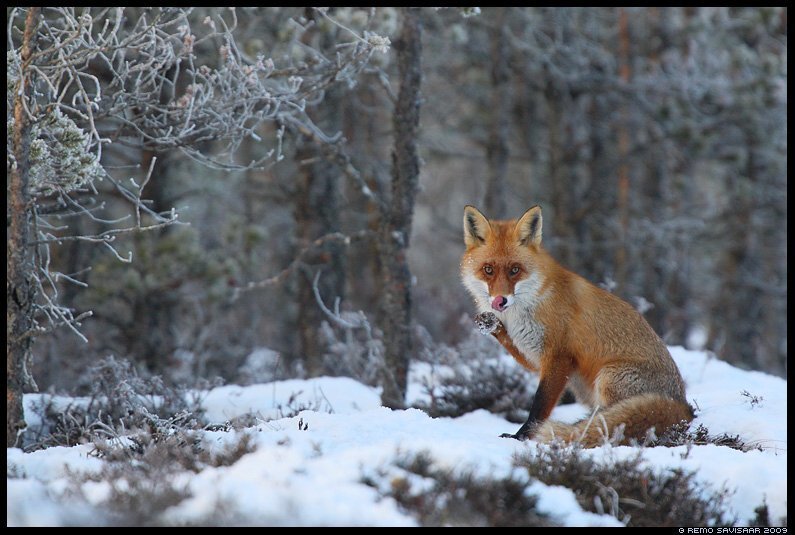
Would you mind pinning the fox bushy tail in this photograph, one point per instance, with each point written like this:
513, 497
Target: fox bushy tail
637, 414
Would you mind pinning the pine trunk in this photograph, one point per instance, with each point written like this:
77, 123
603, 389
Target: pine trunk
624, 74
20, 287
396, 225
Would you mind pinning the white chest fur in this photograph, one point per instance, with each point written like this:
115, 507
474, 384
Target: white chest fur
526, 333
519, 320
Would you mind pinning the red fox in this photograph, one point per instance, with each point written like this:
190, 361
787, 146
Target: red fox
571, 332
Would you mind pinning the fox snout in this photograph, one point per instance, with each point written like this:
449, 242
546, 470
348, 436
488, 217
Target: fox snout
501, 302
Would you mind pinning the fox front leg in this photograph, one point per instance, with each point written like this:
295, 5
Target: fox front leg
554, 377
489, 323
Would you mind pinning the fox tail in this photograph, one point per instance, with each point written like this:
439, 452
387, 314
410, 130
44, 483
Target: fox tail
620, 423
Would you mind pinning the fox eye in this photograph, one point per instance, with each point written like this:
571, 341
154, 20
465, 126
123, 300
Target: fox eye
515, 271
488, 270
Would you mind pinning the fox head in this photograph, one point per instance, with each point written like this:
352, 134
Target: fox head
499, 266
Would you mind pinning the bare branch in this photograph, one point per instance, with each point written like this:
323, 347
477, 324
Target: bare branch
333, 316
141, 189
335, 153
344, 239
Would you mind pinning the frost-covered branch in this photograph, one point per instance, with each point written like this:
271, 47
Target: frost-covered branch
166, 79
152, 79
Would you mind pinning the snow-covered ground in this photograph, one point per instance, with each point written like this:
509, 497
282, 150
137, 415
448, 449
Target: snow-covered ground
313, 476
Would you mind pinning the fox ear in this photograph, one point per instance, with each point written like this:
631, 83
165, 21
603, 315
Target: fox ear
476, 227
528, 228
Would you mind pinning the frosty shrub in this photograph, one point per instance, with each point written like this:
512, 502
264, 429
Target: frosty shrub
625, 489
441, 497
472, 376
353, 348
143, 475
762, 518
635, 495
118, 403
682, 435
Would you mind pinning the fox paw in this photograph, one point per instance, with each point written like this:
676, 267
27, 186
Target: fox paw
488, 323
520, 437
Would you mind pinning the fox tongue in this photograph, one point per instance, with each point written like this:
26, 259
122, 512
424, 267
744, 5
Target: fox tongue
498, 303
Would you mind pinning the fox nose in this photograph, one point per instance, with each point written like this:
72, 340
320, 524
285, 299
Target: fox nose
499, 303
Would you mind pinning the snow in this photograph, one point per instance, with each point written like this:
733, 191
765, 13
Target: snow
38, 483
314, 476
51, 463
723, 406
561, 504
271, 400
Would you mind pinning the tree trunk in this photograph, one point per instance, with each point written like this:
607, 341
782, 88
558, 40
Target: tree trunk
395, 228
20, 287
500, 114
623, 152
316, 213
598, 237
307, 350
738, 311
560, 184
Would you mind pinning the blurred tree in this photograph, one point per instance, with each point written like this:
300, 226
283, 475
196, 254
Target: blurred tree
625, 76
316, 209
501, 102
395, 231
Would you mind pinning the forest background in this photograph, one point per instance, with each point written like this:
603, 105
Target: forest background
263, 193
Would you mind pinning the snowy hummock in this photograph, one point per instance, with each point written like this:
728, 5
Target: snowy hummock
313, 476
